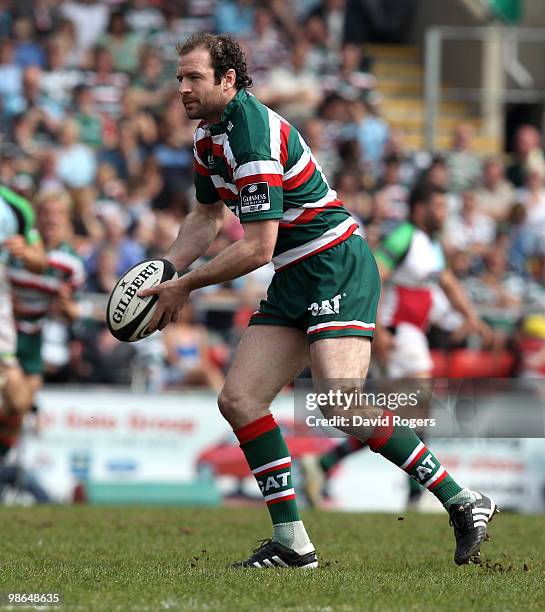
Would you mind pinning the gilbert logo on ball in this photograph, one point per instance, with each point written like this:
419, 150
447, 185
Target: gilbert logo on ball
128, 315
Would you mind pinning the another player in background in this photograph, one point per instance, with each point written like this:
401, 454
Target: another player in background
416, 280
259, 165
51, 292
18, 238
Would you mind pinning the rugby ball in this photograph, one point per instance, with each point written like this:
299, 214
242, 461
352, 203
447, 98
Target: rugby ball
128, 315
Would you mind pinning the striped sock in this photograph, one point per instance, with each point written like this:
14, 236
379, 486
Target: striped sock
268, 457
402, 446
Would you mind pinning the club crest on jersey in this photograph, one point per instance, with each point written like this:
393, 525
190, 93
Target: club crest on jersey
327, 307
255, 198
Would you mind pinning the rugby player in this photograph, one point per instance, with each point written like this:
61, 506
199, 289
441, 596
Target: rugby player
35, 294
253, 161
18, 238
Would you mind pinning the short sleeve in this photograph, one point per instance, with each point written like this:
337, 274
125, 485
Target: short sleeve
259, 184
205, 192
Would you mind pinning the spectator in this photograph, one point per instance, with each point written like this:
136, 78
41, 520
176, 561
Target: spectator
187, 359
411, 164
143, 123
334, 15
44, 111
106, 274
464, 165
143, 19
76, 162
122, 151
6, 19
88, 230
66, 34
292, 90
495, 196
235, 17
123, 44
266, 45
315, 131
174, 149
164, 40
528, 155
163, 235
351, 193
58, 79
151, 90
520, 240
498, 293
90, 123
27, 51
437, 174
371, 131
391, 196
90, 19
350, 80
532, 195
11, 76
45, 16
471, 231
115, 225
107, 85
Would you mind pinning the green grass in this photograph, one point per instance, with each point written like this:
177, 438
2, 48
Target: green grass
172, 558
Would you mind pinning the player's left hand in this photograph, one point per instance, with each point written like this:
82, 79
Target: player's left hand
173, 295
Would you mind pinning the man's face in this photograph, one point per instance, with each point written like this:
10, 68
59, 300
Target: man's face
202, 97
436, 213
52, 221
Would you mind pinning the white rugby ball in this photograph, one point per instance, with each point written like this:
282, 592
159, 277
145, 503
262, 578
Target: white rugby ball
128, 315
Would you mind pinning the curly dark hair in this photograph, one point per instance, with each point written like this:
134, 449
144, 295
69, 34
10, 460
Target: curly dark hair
225, 53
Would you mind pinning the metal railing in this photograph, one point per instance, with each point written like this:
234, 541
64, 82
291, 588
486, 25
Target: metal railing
500, 58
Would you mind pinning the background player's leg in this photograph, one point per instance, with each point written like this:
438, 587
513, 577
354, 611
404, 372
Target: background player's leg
267, 358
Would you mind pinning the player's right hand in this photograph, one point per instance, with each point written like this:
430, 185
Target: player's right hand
16, 245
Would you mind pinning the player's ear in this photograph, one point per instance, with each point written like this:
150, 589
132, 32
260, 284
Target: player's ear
229, 79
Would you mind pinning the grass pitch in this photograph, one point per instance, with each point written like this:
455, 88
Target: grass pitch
172, 558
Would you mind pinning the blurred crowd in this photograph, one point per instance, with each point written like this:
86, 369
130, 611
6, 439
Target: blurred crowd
89, 113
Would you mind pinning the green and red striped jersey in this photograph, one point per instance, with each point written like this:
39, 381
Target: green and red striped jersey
260, 166
34, 292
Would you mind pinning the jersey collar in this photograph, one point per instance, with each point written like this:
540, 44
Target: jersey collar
219, 128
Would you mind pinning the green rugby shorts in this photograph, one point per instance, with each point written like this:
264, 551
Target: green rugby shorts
332, 294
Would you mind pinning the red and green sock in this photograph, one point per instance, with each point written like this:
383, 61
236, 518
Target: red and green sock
269, 459
403, 447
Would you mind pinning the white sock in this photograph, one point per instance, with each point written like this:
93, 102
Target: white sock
465, 495
294, 536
